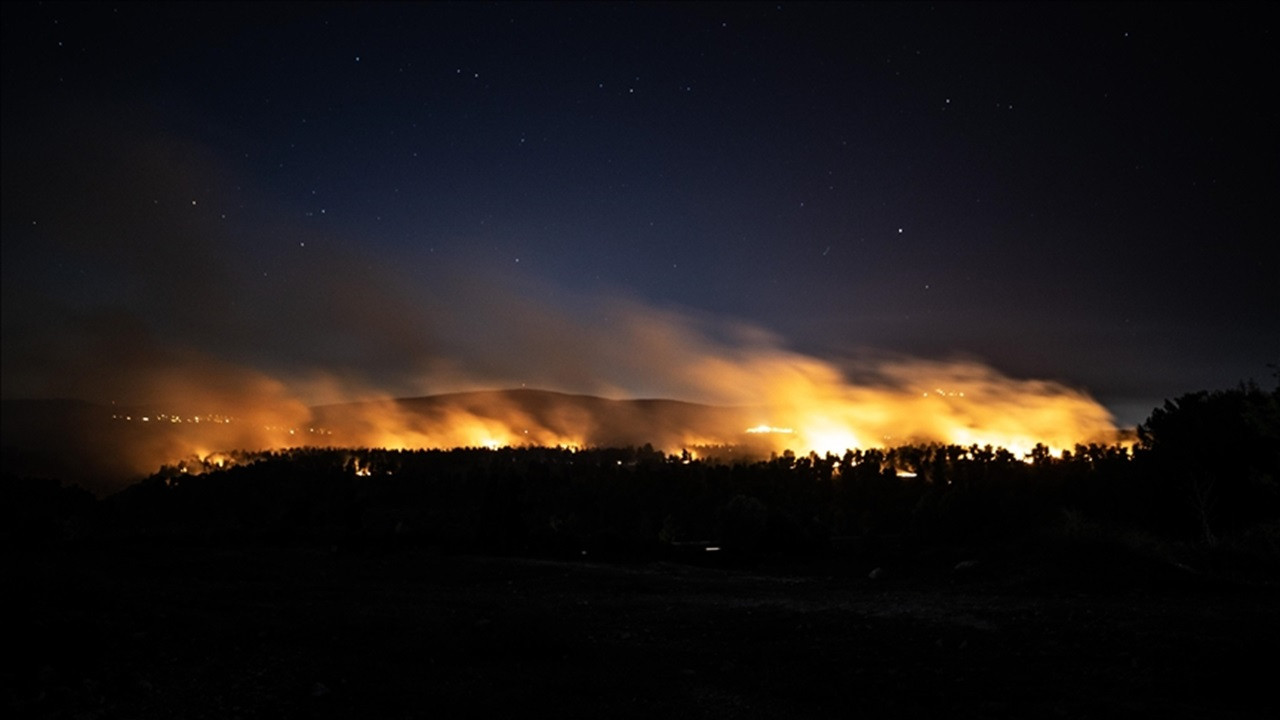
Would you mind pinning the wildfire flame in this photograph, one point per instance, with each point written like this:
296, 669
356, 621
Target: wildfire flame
808, 413
751, 391
979, 407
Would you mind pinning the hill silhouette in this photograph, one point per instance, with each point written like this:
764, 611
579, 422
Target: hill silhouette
591, 420
106, 447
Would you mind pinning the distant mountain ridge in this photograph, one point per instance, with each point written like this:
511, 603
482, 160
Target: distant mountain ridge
107, 446
598, 421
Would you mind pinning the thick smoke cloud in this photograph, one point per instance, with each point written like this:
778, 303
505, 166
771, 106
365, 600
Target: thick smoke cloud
180, 289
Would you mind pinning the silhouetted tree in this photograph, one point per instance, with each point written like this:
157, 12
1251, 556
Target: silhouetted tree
1220, 454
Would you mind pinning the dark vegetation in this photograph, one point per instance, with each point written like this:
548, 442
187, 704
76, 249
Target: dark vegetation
917, 581
1205, 473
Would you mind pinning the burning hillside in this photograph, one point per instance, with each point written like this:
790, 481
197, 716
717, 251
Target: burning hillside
103, 447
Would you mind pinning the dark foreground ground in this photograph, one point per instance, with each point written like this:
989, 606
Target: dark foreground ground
254, 632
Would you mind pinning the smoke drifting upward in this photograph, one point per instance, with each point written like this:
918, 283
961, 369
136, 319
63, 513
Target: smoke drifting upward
749, 388
626, 349
961, 403
785, 402
181, 292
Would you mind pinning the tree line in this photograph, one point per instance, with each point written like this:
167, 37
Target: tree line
1204, 470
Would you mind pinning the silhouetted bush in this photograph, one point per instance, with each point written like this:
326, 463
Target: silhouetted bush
1205, 469
1212, 461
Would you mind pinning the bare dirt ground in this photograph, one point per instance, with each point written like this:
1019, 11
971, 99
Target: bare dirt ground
254, 632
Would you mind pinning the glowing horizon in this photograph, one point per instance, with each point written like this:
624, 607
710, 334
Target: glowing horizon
734, 384
1022, 415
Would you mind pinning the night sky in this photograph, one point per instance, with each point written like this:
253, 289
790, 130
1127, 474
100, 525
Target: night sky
421, 198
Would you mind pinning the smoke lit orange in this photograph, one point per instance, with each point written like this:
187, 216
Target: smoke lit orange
747, 390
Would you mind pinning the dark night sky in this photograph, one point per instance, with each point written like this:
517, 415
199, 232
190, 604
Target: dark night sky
417, 197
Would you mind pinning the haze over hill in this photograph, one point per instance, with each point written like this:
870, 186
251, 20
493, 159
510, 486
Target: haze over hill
534, 417
105, 447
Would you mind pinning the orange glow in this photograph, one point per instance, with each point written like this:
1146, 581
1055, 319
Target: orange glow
769, 429
977, 407
387, 424
727, 384
808, 411
750, 393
